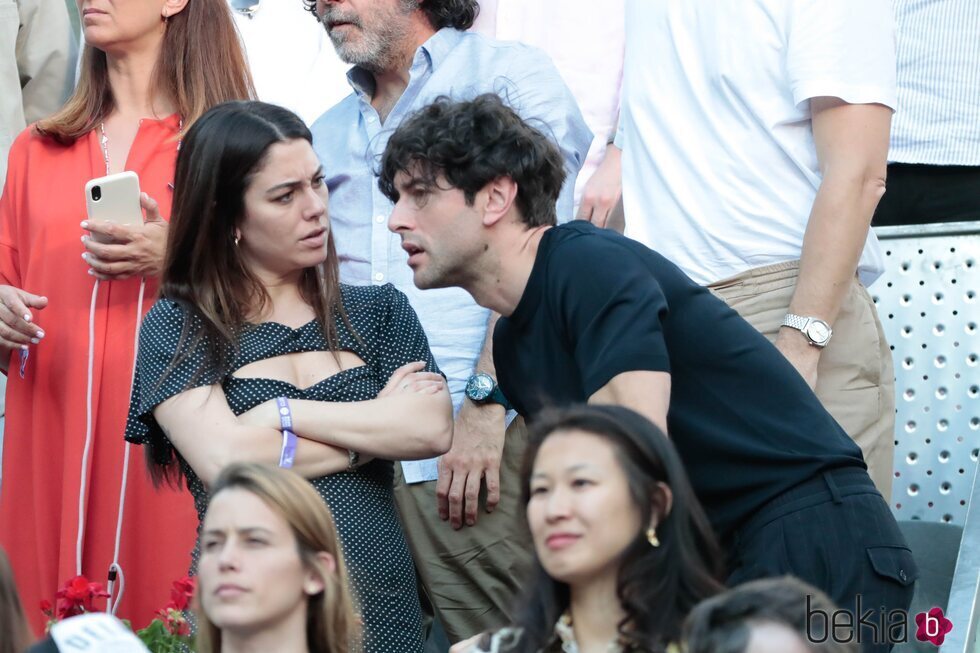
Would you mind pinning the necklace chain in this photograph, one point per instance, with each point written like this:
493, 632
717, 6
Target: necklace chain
104, 142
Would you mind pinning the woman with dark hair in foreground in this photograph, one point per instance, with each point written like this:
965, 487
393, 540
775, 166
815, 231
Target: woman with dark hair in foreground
623, 549
256, 353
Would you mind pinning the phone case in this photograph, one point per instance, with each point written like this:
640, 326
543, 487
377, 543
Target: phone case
118, 200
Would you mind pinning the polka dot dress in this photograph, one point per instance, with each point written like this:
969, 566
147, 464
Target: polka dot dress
388, 336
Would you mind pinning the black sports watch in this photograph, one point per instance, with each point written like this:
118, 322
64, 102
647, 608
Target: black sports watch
481, 388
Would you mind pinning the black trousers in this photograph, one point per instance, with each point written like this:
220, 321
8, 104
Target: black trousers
836, 533
924, 194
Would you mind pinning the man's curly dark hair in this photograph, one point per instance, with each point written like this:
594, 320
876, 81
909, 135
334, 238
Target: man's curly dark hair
470, 144
441, 13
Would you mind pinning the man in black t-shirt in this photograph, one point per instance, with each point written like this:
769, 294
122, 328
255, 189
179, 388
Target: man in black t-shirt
590, 316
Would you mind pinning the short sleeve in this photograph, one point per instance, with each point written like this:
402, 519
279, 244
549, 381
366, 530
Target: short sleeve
610, 308
842, 49
170, 361
402, 339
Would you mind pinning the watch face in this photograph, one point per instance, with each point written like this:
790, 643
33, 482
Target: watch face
818, 331
479, 387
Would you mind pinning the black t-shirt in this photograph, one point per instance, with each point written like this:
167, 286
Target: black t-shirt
743, 420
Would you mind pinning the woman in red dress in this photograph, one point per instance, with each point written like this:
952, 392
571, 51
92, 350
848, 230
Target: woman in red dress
72, 501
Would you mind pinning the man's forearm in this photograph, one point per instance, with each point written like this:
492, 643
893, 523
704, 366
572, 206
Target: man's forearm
852, 146
833, 243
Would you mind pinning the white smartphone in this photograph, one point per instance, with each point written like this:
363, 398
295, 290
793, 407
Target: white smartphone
114, 198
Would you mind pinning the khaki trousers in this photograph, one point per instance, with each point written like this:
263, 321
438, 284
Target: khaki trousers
474, 576
855, 377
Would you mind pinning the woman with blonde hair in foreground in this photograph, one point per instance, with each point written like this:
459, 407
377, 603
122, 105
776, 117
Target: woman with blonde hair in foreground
271, 575
15, 634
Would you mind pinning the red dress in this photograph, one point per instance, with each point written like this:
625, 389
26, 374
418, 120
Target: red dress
40, 252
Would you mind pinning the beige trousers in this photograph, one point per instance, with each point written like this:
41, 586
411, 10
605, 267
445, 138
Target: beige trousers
855, 377
473, 577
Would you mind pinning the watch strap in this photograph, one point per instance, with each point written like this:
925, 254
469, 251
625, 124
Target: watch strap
797, 322
498, 397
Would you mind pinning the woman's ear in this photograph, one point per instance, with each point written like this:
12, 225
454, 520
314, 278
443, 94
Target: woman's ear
661, 501
315, 582
172, 7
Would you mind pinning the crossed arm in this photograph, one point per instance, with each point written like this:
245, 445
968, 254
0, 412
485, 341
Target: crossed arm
411, 418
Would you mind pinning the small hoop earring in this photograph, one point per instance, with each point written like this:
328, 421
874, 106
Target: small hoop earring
237, 238
652, 537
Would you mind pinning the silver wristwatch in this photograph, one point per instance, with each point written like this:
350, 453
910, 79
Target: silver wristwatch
816, 330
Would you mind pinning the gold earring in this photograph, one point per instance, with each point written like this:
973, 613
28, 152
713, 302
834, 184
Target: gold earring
652, 537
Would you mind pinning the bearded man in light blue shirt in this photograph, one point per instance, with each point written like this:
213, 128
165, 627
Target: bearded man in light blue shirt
406, 53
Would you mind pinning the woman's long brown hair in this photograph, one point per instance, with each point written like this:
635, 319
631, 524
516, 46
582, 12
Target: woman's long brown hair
201, 64
15, 634
204, 270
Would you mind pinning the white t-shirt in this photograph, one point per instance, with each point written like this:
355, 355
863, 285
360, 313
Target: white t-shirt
719, 165
292, 60
585, 39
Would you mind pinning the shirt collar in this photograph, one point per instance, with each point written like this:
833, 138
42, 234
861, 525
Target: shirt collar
431, 54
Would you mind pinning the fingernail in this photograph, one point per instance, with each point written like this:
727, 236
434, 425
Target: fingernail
91, 272
84, 238
35, 340
85, 256
27, 317
85, 224
40, 334
24, 347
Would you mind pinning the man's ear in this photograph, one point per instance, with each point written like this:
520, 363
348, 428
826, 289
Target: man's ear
501, 193
172, 7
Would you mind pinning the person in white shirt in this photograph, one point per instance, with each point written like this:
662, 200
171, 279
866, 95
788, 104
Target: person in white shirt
586, 41
754, 137
292, 61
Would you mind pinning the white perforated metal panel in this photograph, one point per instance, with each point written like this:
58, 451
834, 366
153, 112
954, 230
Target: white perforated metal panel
928, 304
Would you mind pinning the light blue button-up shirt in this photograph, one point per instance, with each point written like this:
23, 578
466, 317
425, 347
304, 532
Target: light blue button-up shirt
350, 139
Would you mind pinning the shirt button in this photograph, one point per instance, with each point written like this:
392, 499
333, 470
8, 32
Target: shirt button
379, 277
902, 575
370, 120
379, 219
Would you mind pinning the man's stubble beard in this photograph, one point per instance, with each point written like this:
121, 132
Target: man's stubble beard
378, 50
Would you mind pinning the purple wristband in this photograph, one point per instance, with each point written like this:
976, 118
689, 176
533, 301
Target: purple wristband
288, 454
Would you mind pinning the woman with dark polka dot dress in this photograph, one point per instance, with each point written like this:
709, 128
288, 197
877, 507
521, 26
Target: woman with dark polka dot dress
256, 353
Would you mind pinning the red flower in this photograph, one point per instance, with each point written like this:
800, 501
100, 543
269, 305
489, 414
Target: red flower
181, 593
174, 621
78, 596
47, 608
